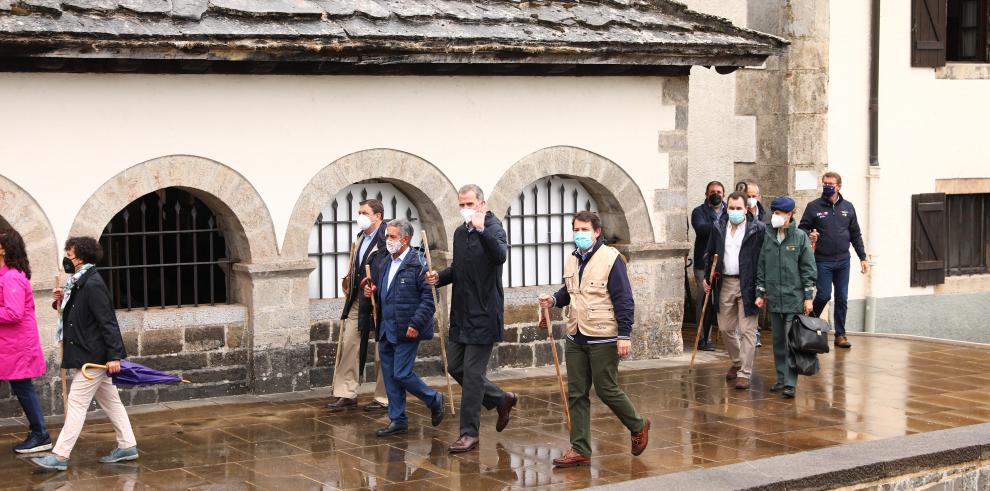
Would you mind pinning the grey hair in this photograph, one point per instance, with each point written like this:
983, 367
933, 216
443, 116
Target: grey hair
405, 226
468, 188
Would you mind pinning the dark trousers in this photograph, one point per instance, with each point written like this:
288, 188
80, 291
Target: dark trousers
397, 361
833, 273
468, 364
786, 374
598, 365
24, 390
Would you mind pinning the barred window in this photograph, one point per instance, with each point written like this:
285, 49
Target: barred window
334, 232
538, 225
165, 249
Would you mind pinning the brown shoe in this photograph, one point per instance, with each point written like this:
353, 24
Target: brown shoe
842, 342
639, 440
732, 373
342, 404
465, 443
571, 459
742, 383
505, 410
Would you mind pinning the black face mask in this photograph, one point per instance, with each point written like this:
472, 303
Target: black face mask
714, 199
68, 266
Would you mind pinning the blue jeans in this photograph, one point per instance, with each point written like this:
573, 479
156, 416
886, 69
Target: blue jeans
397, 362
833, 273
24, 390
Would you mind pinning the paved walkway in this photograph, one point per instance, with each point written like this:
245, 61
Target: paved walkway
881, 388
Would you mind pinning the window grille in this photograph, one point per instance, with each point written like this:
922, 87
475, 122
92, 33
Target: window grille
538, 225
334, 232
968, 244
165, 249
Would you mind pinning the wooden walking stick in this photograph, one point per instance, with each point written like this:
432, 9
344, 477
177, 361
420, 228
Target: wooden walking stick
704, 309
61, 352
545, 322
351, 267
439, 316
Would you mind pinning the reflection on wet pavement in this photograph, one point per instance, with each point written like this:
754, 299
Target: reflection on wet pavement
881, 388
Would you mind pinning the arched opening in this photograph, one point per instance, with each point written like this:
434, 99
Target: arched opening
164, 249
334, 231
538, 228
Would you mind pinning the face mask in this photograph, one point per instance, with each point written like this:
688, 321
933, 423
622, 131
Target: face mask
714, 200
363, 222
737, 216
777, 221
828, 190
393, 246
751, 202
68, 266
467, 214
584, 240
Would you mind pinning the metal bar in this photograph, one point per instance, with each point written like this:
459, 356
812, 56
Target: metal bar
127, 256
213, 269
508, 232
549, 234
178, 256
166, 232
319, 247
161, 250
536, 236
144, 251
167, 265
563, 225
522, 228
195, 267
110, 261
539, 215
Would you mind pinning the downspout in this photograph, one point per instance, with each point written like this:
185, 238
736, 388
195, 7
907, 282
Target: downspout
873, 170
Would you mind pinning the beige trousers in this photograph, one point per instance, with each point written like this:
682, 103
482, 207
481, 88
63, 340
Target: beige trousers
82, 393
738, 331
345, 376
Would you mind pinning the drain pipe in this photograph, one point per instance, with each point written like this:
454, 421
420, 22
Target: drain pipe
873, 170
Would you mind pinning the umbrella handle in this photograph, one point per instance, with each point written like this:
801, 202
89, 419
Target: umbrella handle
87, 366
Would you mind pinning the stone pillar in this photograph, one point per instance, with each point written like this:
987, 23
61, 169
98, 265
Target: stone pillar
789, 97
656, 273
277, 296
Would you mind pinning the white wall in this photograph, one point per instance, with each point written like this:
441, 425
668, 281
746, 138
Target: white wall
64, 135
929, 129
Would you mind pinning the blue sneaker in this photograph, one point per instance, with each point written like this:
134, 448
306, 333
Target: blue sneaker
120, 455
51, 462
34, 443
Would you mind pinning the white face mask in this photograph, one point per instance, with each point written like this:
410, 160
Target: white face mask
363, 222
393, 246
751, 202
777, 221
467, 214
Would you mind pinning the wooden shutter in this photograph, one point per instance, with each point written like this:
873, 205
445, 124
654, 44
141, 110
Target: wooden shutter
928, 29
928, 239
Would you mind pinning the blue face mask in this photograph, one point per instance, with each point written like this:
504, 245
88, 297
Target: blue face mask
584, 240
737, 216
828, 190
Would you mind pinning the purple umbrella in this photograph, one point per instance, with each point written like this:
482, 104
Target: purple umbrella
132, 375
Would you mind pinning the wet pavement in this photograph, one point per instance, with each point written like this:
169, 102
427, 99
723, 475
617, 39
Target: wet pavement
880, 388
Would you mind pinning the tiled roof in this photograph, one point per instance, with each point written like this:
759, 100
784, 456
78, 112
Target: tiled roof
379, 32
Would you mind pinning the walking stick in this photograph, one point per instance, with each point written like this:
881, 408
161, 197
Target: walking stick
61, 352
340, 337
439, 316
545, 318
374, 312
704, 308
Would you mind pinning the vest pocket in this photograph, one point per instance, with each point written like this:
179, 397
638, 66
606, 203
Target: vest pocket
600, 314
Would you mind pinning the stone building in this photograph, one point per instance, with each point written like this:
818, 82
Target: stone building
218, 150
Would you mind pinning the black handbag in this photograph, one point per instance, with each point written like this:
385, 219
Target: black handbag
809, 334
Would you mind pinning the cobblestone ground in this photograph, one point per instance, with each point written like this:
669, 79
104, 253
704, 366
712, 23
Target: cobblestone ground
880, 388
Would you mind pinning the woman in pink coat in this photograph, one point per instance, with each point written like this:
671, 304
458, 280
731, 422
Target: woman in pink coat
21, 358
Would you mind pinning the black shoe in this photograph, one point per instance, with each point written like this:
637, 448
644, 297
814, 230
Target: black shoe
788, 393
707, 347
777, 387
393, 428
436, 415
375, 406
34, 443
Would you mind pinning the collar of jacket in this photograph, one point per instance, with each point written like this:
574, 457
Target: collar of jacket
724, 226
594, 248
379, 235
85, 277
828, 202
789, 231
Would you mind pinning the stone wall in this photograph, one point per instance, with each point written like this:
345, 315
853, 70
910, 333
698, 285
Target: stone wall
970, 477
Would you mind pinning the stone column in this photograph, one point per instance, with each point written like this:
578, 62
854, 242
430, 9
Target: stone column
277, 296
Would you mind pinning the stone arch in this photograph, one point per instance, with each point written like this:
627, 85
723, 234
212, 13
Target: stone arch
242, 214
423, 183
620, 200
22, 213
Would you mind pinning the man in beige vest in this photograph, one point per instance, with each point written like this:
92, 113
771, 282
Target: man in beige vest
599, 321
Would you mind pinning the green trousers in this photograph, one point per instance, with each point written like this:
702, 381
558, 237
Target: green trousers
786, 374
596, 364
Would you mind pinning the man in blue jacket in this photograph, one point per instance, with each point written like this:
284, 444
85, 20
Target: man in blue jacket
737, 239
406, 313
703, 218
832, 226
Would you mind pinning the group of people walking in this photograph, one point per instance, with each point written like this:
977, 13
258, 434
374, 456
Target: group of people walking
749, 260
766, 261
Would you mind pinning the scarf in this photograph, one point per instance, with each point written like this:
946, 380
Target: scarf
67, 290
